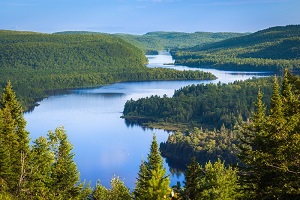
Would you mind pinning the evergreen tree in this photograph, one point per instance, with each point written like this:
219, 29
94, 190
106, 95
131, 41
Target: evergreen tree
118, 190
15, 151
64, 175
141, 183
218, 182
192, 179
44, 171
100, 192
152, 182
9, 100
42, 158
270, 149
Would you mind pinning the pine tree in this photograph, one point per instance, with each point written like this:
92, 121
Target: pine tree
251, 142
152, 182
100, 192
64, 175
218, 182
15, 143
42, 158
192, 179
9, 99
270, 149
118, 190
142, 181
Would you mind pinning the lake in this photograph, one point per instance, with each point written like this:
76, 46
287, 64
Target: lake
104, 145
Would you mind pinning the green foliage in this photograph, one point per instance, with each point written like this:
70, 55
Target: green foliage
201, 145
64, 175
152, 183
100, 192
270, 146
45, 170
214, 181
192, 179
118, 191
155, 41
270, 49
218, 182
15, 152
210, 105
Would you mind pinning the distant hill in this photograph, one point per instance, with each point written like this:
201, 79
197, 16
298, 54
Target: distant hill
272, 48
152, 42
155, 41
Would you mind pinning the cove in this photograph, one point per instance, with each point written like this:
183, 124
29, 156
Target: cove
104, 145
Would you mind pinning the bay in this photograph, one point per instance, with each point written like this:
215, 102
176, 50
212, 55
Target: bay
104, 145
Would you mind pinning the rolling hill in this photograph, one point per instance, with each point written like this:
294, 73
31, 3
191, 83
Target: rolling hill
274, 48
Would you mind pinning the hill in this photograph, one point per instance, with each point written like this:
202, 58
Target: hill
270, 49
37, 63
154, 41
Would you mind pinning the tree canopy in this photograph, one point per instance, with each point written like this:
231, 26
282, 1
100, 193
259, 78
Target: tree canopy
270, 49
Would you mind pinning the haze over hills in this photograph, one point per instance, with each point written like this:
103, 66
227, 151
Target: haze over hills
273, 48
155, 41
152, 42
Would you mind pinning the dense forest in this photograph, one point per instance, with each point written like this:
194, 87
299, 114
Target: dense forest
38, 63
274, 48
267, 148
206, 105
153, 42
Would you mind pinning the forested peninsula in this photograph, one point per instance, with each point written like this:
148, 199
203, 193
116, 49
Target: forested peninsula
38, 63
275, 48
203, 105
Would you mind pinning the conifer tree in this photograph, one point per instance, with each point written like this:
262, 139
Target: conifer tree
64, 175
141, 183
15, 143
192, 179
42, 158
270, 149
152, 182
118, 190
100, 192
218, 182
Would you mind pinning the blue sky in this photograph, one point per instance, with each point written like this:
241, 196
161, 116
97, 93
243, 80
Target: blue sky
141, 16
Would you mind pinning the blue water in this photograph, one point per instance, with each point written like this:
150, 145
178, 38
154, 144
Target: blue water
104, 145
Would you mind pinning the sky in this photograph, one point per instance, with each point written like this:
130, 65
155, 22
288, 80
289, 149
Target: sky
142, 16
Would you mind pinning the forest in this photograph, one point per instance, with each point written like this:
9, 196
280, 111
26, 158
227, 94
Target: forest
37, 63
153, 42
203, 105
275, 48
267, 146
